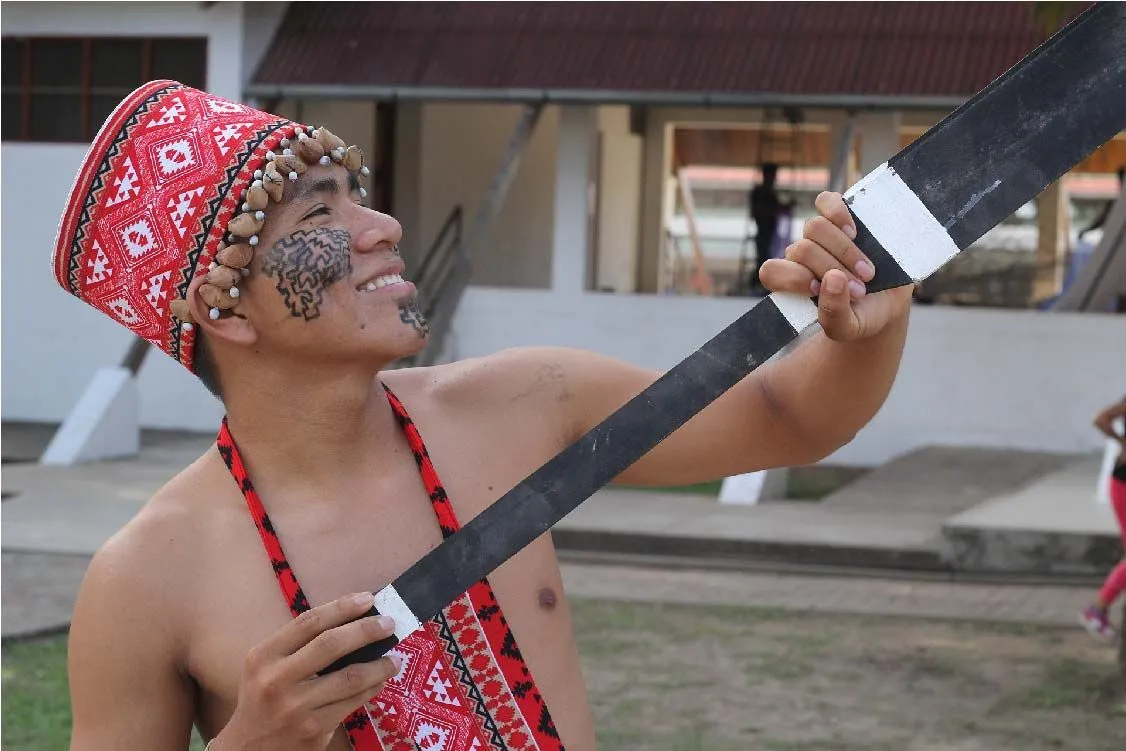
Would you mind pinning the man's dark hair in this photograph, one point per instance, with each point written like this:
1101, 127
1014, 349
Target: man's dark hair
204, 366
769, 169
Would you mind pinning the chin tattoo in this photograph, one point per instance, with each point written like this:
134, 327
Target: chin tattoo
305, 264
412, 316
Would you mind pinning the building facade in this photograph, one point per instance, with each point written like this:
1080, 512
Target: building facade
578, 253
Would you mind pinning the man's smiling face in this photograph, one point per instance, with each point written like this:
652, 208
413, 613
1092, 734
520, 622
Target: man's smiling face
326, 280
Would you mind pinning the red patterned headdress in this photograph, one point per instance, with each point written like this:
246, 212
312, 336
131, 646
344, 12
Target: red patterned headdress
177, 182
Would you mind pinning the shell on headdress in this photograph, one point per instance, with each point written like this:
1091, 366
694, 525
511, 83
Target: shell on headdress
273, 182
224, 277
235, 256
216, 297
353, 159
290, 165
257, 198
244, 225
309, 149
182, 310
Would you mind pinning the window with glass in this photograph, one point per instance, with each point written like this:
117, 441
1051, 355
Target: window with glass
63, 89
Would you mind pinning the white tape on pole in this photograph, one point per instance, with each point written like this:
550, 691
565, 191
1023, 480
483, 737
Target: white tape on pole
901, 223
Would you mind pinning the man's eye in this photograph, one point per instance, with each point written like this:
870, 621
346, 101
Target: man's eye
317, 212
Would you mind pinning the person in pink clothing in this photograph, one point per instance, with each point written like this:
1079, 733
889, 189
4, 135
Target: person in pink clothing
1096, 616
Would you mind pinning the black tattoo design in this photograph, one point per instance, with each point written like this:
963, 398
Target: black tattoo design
305, 264
412, 316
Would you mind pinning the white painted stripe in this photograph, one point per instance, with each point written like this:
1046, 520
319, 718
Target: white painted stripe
901, 223
798, 310
388, 603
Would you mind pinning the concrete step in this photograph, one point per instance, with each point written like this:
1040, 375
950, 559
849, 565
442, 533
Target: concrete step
1051, 526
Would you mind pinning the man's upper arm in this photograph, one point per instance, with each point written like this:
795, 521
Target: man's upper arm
580, 389
126, 688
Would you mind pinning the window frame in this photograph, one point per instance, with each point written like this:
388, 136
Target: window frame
86, 91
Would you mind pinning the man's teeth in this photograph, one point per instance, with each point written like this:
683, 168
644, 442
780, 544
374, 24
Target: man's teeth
381, 281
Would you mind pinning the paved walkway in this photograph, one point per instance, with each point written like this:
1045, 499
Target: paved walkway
39, 591
57, 517
1045, 605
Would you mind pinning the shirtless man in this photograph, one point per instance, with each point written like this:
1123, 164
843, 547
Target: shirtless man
179, 619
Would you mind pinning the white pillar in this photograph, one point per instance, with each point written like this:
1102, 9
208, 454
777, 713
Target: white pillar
103, 425
1053, 241
879, 138
575, 155
619, 202
842, 140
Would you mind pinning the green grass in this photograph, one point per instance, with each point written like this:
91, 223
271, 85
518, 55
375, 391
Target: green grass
1067, 684
35, 712
803, 483
36, 706
681, 678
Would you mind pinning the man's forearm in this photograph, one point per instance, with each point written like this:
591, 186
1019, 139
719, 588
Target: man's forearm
826, 391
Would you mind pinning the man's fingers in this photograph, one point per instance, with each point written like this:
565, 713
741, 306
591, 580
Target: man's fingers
836, 229
338, 694
329, 646
780, 275
308, 625
832, 206
829, 236
820, 261
834, 304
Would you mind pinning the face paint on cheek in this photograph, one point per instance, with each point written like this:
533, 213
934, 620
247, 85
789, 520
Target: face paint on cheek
305, 264
412, 316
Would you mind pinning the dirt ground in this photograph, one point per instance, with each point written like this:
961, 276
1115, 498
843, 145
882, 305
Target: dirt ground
675, 678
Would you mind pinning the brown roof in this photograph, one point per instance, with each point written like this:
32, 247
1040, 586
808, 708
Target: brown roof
866, 51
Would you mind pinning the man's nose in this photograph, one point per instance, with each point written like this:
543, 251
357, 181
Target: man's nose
382, 232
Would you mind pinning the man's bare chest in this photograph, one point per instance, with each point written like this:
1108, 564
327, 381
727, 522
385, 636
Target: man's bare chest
363, 539
333, 554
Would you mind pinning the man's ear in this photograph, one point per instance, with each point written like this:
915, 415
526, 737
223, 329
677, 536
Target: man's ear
230, 325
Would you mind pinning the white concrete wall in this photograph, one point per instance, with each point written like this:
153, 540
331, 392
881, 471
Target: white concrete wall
460, 151
52, 343
970, 377
260, 23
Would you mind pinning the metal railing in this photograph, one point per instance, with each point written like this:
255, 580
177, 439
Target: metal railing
445, 271
441, 280
439, 259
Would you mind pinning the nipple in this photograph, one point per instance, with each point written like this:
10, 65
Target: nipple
546, 598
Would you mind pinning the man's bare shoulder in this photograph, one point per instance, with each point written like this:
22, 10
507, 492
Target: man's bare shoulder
141, 566
562, 387
510, 375
129, 639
